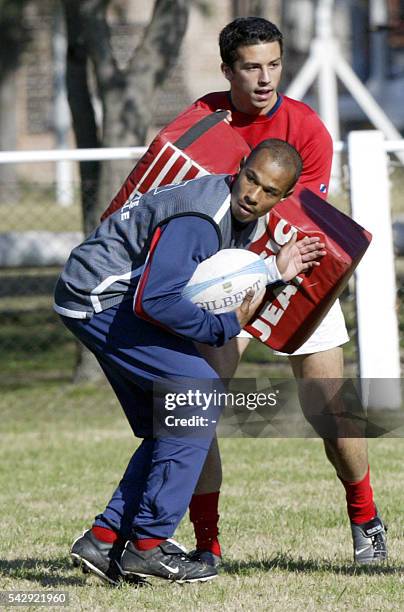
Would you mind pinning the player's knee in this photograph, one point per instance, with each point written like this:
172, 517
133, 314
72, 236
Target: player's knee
325, 364
323, 407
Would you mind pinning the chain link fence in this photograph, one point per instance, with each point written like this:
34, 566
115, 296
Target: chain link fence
36, 237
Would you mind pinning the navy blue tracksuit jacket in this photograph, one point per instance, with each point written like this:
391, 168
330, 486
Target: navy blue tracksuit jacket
120, 294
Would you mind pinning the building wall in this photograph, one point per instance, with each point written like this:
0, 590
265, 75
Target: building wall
197, 70
201, 50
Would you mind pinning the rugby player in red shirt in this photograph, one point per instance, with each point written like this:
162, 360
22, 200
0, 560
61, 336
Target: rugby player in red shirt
251, 52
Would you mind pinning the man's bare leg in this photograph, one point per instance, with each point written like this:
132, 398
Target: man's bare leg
225, 361
203, 509
210, 479
348, 455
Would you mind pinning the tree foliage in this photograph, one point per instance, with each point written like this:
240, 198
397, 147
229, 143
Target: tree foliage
126, 94
13, 35
13, 40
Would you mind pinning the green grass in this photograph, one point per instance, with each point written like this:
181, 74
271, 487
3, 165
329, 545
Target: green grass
34, 345
50, 217
63, 448
33, 207
284, 530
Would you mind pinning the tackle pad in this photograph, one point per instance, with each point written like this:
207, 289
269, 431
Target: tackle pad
291, 312
199, 142
196, 143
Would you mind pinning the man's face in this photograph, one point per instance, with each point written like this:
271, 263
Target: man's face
260, 185
254, 77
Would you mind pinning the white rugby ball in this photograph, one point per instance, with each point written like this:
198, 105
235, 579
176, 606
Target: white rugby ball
219, 283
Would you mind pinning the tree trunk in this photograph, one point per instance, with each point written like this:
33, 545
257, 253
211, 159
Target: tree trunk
126, 98
82, 110
13, 40
87, 367
128, 95
85, 131
297, 29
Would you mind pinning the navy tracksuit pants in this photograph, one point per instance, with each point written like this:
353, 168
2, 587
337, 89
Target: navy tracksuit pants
161, 476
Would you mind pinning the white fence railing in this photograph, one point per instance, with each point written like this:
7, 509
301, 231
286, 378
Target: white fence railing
19, 157
375, 277
376, 294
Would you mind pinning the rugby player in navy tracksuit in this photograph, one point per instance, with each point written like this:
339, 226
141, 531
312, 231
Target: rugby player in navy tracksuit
120, 293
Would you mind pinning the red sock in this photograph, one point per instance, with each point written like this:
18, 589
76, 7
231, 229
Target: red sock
359, 500
147, 543
203, 513
104, 534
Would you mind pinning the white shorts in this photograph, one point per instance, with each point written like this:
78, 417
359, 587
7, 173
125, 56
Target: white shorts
330, 333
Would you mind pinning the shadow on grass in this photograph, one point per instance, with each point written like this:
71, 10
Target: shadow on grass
286, 562
47, 572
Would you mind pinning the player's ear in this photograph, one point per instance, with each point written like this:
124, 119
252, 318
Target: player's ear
227, 71
288, 193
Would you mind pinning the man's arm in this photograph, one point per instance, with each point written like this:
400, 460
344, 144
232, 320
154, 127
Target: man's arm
184, 242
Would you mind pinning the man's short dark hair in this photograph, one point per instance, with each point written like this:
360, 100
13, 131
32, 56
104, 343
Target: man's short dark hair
283, 154
246, 31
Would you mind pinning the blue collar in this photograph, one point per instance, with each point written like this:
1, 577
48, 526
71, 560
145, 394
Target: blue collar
269, 114
276, 106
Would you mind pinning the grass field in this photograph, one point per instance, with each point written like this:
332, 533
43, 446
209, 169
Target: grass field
284, 530
285, 534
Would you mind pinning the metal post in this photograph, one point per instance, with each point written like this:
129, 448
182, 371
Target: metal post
368, 104
378, 339
327, 79
320, 63
64, 182
326, 62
